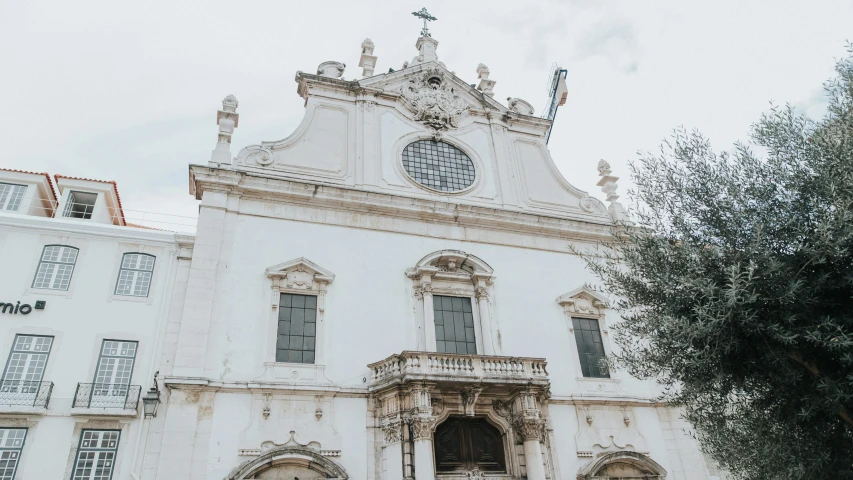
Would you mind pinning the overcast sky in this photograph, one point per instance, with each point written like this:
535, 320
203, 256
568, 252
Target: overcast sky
129, 92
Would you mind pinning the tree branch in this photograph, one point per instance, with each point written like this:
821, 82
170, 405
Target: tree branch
796, 356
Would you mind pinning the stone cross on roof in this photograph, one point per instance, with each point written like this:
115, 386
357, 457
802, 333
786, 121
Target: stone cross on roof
422, 13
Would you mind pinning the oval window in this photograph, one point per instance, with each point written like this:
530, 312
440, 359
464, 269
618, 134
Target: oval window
438, 165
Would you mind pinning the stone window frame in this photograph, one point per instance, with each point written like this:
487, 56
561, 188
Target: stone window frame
299, 276
453, 273
583, 302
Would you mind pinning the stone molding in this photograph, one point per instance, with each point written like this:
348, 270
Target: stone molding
434, 102
393, 432
272, 191
282, 455
422, 428
530, 428
643, 462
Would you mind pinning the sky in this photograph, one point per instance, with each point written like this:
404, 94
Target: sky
128, 92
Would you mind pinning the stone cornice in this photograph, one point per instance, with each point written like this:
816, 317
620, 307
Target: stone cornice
320, 195
197, 383
99, 230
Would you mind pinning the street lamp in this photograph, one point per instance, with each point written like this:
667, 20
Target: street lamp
151, 400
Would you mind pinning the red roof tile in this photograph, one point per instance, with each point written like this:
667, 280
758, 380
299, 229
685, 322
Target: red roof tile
47, 175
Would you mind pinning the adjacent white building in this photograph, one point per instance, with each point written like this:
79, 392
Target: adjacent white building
389, 293
84, 299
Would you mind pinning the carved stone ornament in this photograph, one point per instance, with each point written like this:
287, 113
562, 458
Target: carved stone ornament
529, 428
393, 432
434, 101
469, 400
422, 428
475, 474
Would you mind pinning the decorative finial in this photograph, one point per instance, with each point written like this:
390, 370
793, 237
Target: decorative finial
331, 69
227, 119
422, 13
608, 186
368, 60
485, 85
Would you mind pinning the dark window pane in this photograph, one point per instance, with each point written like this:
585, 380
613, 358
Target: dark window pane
297, 315
449, 332
284, 313
439, 333
590, 347
310, 329
286, 299
440, 346
294, 356
310, 315
308, 357
469, 320
295, 342
283, 341
438, 317
308, 343
297, 327
310, 301
299, 301
447, 303
457, 304
436, 302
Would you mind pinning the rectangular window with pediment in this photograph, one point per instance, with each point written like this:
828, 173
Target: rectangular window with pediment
297, 328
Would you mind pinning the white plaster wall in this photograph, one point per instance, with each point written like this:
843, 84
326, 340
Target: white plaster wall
79, 320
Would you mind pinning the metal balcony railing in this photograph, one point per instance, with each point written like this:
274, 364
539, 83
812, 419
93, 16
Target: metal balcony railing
107, 395
25, 393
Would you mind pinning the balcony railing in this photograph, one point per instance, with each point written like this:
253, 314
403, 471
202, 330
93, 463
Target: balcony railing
25, 393
455, 367
107, 395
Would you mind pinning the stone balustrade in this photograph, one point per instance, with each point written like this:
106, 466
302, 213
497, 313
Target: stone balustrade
451, 367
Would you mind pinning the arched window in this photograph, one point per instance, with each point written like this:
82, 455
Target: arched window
463, 444
134, 276
452, 291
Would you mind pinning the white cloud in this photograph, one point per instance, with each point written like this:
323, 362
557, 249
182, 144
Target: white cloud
128, 92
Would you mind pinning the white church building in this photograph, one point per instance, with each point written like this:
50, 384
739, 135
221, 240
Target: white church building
388, 293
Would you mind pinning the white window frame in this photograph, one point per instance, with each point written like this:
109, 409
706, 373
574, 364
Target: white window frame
135, 273
453, 273
69, 205
11, 453
14, 193
113, 390
302, 277
586, 303
91, 447
24, 354
57, 264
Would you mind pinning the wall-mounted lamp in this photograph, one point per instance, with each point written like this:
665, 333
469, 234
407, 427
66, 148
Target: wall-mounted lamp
151, 400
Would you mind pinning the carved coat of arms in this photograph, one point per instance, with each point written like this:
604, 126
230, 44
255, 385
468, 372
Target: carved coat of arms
434, 101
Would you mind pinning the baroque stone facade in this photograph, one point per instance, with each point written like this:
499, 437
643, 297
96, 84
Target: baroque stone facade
337, 316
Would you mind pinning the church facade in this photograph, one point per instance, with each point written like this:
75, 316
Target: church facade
389, 293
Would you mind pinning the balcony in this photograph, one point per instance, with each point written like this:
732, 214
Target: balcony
487, 370
107, 399
24, 396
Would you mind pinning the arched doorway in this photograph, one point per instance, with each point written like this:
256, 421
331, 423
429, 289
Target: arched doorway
288, 463
463, 444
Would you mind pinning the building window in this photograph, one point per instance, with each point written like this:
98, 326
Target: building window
463, 444
297, 328
11, 444
454, 325
134, 277
80, 205
96, 455
590, 348
55, 268
112, 378
25, 368
438, 165
10, 198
